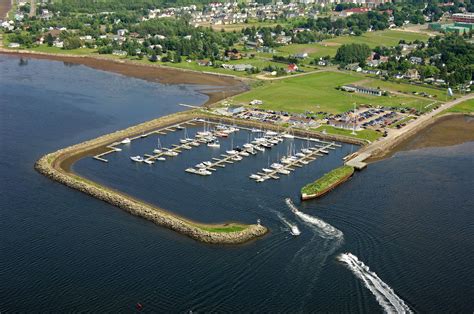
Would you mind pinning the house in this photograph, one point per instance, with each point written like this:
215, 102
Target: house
412, 74
58, 44
121, 32
235, 110
256, 102
303, 55
291, 68
323, 63
120, 53
353, 67
361, 90
416, 60
242, 67
233, 54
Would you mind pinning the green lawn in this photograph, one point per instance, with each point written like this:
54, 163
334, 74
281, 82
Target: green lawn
369, 135
317, 92
47, 49
464, 107
373, 39
409, 88
229, 228
328, 180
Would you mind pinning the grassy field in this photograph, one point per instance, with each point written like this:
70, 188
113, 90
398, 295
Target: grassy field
373, 39
224, 228
47, 49
369, 135
328, 180
464, 107
317, 92
440, 94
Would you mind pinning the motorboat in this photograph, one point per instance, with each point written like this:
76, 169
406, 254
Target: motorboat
214, 144
186, 147
248, 145
231, 152
201, 165
203, 172
259, 148
283, 171
126, 141
244, 153
137, 158
254, 130
294, 230
161, 158
271, 133
157, 151
276, 165
267, 170
149, 162
183, 141
191, 170
300, 155
306, 151
170, 153
117, 149
255, 176
237, 158
207, 163
288, 135
194, 143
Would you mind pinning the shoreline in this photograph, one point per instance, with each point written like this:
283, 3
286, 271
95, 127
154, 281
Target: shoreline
214, 85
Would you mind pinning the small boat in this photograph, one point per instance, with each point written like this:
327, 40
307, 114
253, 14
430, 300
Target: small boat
300, 155
288, 135
126, 141
183, 141
157, 151
137, 158
244, 153
283, 171
191, 170
254, 130
214, 144
195, 144
271, 133
161, 158
179, 127
144, 135
255, 176
274, 142
170, 153
201, 165
207, 163
232, 152
259, 148
117, 149
267, 170
294, 230
248, 145
276, 165
203, 172
186, 147
237, 158
149, 162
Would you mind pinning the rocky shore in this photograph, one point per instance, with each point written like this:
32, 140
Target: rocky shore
51, 165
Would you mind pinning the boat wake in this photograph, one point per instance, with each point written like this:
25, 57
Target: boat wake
292, 226
324, 229
384, 295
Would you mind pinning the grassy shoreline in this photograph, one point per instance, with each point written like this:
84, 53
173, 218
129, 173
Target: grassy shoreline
327, 182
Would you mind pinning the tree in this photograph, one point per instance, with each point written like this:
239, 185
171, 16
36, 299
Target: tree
352, 53
49, 39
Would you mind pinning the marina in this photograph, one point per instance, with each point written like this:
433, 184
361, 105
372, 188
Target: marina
258, 141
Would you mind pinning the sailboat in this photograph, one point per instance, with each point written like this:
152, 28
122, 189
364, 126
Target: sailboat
158, 148
232, 151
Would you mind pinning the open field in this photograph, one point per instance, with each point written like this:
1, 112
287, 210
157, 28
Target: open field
369, 135
317, 92
464, 107
439, 94
373, 39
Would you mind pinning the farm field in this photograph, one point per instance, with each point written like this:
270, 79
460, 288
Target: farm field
373, 39
317, 92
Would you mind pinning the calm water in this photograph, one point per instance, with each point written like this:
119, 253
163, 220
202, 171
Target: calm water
410, 218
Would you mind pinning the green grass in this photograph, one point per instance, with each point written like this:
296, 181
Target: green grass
328, 180
464, 107
373, 39
47, 49
369, 135
317, 92
227, 229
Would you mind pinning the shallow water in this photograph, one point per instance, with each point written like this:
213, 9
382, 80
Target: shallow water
409, 217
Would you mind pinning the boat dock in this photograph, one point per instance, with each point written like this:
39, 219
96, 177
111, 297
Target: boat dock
300, 162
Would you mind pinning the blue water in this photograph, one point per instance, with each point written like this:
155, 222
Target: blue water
409, 217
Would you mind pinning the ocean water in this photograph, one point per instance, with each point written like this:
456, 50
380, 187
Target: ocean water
409, 218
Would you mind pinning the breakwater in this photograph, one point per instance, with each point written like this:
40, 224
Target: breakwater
341, 175
56, 166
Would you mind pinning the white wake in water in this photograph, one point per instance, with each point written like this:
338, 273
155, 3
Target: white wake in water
323, 228
384, 295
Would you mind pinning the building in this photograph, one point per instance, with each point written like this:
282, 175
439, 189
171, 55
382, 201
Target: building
362, 90
464, 17
292, 68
